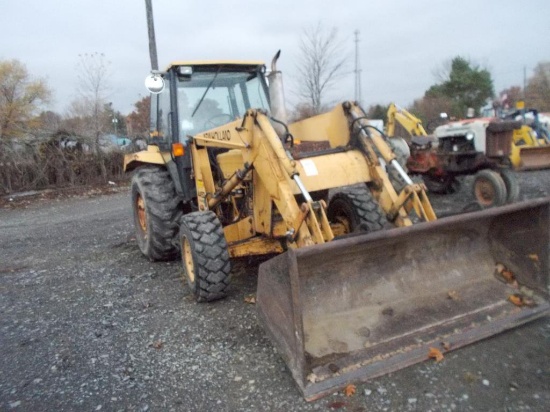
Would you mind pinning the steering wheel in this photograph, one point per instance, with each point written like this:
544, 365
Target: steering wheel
216, 120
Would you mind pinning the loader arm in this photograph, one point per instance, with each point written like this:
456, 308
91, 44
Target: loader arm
262, 151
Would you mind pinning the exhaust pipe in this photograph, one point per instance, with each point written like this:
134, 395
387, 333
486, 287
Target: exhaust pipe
277, 97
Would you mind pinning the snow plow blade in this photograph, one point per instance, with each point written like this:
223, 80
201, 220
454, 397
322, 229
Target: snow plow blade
366, 305
533, 158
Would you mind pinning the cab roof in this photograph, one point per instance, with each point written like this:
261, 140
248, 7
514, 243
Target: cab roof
215, 63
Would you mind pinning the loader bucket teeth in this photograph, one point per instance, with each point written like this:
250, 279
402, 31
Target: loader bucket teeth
363, 306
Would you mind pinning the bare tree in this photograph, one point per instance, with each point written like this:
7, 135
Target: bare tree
537, 92
322, 61
90, 107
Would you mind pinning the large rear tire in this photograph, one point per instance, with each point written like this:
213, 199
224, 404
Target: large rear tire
356, 210
512, 185
489, 189
204, 254
156, 211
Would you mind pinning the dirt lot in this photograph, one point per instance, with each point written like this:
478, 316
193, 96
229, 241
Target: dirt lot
88, 324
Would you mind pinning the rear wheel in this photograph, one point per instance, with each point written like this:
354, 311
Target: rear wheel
204, 255
489, 189
354, 209
512, 185
156, 212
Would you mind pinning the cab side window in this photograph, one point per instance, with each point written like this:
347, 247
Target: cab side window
163, 116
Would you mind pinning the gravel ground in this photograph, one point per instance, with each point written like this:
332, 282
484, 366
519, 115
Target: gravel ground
88, 324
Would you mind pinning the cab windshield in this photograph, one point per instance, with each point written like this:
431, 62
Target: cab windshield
208, 99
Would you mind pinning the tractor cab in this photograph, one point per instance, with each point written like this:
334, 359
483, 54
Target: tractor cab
196, 96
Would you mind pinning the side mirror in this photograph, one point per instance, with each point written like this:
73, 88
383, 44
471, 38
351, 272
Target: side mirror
154, 83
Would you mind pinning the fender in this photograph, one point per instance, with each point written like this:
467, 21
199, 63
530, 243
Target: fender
152, 155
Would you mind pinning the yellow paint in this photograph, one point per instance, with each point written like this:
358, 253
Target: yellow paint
255, 246
241, 230
152, 155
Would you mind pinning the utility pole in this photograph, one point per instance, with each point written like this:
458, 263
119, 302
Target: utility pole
152, 40
524, 81
357, 69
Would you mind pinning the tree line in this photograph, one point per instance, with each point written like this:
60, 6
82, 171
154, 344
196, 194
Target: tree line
41, 148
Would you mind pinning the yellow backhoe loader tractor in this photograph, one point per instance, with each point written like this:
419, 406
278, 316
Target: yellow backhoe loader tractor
531, 142
477, 147
344, 299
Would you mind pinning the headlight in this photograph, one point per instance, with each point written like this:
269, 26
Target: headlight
185, 70
470, 136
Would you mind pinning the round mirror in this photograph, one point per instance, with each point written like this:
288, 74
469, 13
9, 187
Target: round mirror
154, 83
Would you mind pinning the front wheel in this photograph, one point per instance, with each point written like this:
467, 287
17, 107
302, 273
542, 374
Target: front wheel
489, 189
204, 255
354, 209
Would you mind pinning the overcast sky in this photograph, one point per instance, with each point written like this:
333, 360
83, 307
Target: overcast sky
402, 43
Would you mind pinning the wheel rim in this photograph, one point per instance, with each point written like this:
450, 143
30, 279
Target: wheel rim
342, 219
187, 258
485, 192
141, 215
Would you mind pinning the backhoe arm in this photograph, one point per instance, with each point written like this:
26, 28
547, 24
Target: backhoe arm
397, 206
410, 123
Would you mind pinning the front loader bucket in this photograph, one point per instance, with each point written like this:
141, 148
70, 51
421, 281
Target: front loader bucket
365, 305
534, 157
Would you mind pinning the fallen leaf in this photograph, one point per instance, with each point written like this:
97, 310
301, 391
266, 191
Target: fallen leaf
446, 345
349, 390
534, 257
508, 276
453, 295
157, 344
505, 275
436, 354
516, 300
251, 299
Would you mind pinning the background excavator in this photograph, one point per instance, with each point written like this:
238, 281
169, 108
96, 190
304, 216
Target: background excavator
355, 290
479, 147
